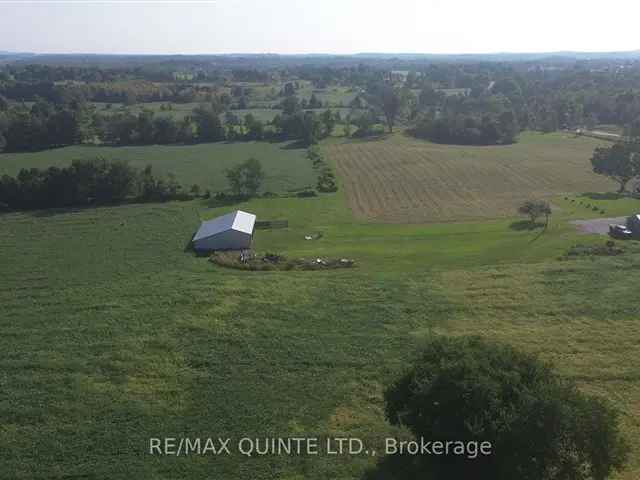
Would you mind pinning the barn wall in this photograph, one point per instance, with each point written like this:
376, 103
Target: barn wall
229, 240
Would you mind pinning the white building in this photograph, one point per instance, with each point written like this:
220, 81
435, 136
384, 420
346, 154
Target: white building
233, 231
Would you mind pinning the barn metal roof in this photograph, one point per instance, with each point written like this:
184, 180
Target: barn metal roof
239, 221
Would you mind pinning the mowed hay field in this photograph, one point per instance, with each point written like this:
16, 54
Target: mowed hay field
286, 168
399, 179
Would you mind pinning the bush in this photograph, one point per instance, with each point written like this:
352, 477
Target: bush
326, 179
540, 426
307, 194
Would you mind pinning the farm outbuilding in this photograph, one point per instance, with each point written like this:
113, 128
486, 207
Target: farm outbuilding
233, 231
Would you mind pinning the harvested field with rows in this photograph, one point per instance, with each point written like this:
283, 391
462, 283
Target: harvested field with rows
403, 180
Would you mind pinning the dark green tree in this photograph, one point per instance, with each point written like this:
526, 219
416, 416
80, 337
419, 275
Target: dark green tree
209, 127
389, 100
314, 102
329, 122
290, 105
365, 123
289, 89
540, 426
620, 162
254, 128
246, 178
165, 130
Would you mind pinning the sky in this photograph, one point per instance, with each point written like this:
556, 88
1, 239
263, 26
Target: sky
318, 26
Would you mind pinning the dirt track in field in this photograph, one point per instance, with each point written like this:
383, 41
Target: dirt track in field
402, 180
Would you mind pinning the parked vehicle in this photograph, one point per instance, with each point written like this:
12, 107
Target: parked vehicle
620, 231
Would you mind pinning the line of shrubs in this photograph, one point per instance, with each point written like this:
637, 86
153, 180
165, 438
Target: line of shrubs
86, 182
326, 177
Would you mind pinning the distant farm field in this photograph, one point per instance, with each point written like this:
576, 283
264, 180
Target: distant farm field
403, 180
286, 168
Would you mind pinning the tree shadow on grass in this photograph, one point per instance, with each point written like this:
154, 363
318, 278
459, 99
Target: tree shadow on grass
527, 225
295, 145
224, 201
53, 211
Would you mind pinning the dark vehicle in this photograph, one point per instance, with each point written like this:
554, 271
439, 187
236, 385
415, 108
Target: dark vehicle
620, 231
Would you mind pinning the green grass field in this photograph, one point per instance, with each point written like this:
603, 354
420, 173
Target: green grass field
335, 96
180, 110
286, 168
113, 334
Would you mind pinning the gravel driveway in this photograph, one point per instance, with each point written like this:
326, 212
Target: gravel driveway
598, 225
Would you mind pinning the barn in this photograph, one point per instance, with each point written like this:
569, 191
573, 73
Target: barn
233, 231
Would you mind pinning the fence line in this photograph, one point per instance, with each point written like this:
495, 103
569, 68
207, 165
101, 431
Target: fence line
272, 224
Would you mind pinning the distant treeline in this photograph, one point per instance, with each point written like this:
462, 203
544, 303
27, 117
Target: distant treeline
448, 102
46, 125
85, 182
496, 100
128, 92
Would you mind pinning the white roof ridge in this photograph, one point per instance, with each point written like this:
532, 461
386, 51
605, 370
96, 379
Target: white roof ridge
237, 220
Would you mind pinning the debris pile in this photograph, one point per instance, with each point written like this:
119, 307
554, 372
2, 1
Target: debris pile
314, 236
248, 260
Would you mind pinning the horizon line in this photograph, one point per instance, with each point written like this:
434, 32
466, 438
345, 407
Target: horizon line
329, 54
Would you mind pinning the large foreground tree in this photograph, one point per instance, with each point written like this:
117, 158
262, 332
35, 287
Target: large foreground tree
541, 427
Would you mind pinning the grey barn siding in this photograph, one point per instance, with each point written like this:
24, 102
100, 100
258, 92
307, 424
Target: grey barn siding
233, 231
229, 240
